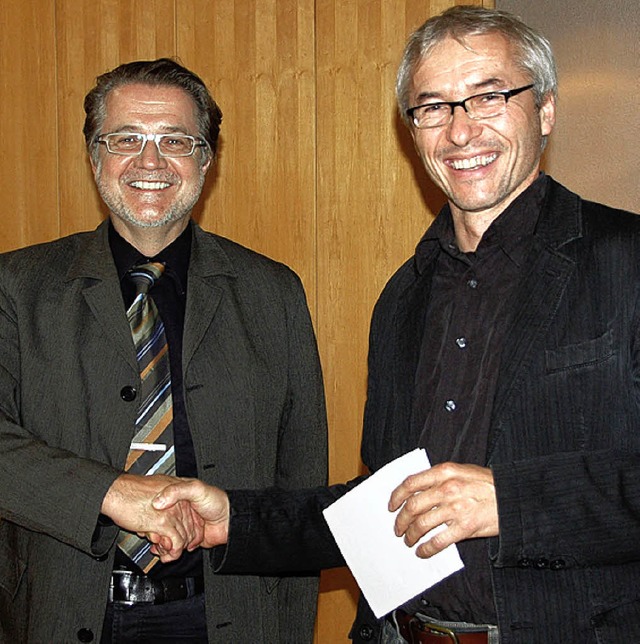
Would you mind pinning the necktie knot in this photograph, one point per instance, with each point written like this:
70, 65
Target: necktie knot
146, 275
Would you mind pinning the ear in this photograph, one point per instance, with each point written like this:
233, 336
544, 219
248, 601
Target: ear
547, 114
206, 165
94, 166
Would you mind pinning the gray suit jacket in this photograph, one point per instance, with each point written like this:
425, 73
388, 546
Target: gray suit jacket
254, 398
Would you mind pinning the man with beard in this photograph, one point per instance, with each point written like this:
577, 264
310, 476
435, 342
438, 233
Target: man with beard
145, 350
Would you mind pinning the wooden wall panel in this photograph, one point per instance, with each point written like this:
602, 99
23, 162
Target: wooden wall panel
93, 36
28, 168
257, 57
315, 169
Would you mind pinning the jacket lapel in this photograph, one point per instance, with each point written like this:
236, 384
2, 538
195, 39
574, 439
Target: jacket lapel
93, 263
208, 263
538, 294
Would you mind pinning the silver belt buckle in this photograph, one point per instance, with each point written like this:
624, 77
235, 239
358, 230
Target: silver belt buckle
122, 574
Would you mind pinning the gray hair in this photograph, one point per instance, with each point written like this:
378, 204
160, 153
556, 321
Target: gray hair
533, 51
163, 71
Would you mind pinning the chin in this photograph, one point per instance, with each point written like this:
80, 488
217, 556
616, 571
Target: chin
153, 220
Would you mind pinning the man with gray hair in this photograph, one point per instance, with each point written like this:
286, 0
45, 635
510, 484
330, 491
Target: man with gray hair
509, 348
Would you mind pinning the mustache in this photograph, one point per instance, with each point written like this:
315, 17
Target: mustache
153, 175
483, 147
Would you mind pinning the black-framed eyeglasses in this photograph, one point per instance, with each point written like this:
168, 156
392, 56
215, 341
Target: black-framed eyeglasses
480, 106
131, 144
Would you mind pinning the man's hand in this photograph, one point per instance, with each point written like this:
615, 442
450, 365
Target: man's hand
463, 497
128, 503
210, 503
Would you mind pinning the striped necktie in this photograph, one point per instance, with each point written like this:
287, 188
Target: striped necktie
152, 450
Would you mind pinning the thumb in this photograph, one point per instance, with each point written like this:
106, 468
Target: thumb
166, 498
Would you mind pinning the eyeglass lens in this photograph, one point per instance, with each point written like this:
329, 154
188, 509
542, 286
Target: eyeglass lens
170, 145
477, 107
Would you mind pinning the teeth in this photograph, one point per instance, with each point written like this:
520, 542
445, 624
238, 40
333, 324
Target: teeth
475, 162
150, 185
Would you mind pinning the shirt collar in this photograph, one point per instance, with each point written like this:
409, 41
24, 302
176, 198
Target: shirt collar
175, 256
521, 217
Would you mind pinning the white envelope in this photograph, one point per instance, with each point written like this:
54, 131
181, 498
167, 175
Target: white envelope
388, 572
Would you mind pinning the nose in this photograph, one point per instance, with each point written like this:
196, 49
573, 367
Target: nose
150, 156
461, 128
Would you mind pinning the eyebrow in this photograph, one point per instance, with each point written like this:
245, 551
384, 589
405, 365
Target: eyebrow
474, 88
163, 129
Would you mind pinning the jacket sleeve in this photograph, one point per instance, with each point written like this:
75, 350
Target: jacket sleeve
44, 488
570, 509
302, 447
579, 504
280, 532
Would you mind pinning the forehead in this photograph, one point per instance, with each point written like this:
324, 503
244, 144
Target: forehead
453, 68
139, 105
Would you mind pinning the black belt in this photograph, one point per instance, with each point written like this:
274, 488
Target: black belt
128, 587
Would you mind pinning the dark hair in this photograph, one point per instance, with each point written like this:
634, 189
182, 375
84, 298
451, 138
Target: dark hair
163, 71
532, 50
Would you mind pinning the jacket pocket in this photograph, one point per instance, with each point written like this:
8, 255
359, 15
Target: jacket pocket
582, 354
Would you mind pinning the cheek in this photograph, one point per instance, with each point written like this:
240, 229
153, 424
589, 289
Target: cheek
424, 145
110, 169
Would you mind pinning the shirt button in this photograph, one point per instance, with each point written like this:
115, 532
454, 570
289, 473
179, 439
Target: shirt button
450, 405
461, 342
472, 283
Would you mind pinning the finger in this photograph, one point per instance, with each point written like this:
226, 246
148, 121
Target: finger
172, 494
167, 557
176, 525
437, 543
195, 524
198, 535
411, 485
422, 524
418, 505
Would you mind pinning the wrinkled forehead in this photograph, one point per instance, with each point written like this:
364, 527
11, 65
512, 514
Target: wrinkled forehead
459, 65
139, 105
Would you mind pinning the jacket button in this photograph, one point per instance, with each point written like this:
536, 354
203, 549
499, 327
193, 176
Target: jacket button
366, 633
128, 393
541, 564
85, 635
558, 564
525, 562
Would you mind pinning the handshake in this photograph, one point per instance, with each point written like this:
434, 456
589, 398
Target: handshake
174, 514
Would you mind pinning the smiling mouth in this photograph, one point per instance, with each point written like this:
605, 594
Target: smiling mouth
150, 185
475, 162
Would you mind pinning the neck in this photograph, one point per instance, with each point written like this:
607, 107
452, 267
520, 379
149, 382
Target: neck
469, 228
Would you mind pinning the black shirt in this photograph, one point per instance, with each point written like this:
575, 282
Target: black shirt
170, 296
466, 321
